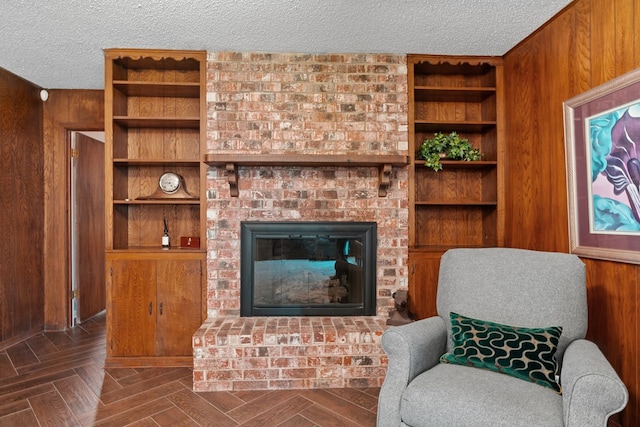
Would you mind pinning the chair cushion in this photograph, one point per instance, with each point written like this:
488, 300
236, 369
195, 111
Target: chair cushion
525, 353
453, 395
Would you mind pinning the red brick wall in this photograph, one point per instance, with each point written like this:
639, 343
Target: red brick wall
305, 104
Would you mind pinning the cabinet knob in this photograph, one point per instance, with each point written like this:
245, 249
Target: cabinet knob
160, 309
150, 308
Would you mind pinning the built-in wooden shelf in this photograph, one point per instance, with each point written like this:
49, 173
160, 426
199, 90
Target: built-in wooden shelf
452, 94
157, 122
153, 252
460, 164
469, 126
384, 163
158, 89
168, 201
157, 162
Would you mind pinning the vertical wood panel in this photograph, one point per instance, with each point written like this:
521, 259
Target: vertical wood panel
521, 119
580, 53
613, 301
636, 34
555, 66
544, 71
623, 38
589, 43
21, 213
603, 46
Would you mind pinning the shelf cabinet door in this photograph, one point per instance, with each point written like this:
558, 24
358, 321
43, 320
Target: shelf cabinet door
179, 301
156, 306
424, 268
131, 288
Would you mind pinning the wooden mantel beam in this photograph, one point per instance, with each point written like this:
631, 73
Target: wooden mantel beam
384, 163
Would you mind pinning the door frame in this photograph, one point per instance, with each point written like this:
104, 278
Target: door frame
66, 110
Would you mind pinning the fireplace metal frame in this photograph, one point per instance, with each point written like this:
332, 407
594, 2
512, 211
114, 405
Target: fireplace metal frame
250, 231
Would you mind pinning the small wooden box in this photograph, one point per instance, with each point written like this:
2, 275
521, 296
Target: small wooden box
189, 242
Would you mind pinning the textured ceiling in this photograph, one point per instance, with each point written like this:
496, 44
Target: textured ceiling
58, 43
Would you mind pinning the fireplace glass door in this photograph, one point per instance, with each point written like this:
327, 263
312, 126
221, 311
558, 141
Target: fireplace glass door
308, 269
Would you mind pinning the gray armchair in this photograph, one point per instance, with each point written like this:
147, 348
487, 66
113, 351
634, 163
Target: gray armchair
513, 287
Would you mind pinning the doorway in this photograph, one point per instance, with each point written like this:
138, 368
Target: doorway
87, 225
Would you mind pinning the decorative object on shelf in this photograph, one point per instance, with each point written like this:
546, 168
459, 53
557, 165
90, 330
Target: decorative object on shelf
165, 236
443, 146
170, 186
189, 242
400, 315
169, 182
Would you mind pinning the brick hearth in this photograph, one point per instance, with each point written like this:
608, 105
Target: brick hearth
303, 104
259, 353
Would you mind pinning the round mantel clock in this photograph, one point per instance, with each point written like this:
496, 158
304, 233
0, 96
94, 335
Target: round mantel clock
170, 182
170, 186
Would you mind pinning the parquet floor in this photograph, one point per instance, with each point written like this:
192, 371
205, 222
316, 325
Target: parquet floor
58, 379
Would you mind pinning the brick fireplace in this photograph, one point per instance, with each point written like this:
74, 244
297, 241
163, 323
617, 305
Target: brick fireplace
283, 104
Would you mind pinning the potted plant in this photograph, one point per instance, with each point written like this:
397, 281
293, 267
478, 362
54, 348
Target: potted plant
443, 146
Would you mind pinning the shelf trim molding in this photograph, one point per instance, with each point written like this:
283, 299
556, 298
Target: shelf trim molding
384, 163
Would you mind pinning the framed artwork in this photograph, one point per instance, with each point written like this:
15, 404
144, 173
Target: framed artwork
602, 142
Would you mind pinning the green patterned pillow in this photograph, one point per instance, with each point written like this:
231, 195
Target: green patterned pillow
525, 353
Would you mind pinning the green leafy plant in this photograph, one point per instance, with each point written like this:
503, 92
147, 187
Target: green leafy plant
450, 146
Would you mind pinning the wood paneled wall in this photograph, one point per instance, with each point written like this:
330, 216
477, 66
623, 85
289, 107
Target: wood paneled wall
21, 212
588, 43
65, 111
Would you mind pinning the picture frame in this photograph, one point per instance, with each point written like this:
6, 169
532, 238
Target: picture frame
602, 147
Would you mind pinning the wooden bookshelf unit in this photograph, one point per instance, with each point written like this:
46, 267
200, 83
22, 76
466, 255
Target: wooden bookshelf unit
462, 204
155, 122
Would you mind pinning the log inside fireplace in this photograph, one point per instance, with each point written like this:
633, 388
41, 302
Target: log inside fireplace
308, 269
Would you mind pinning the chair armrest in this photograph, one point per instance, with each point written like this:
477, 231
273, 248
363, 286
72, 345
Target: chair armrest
411, 349
591, 389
